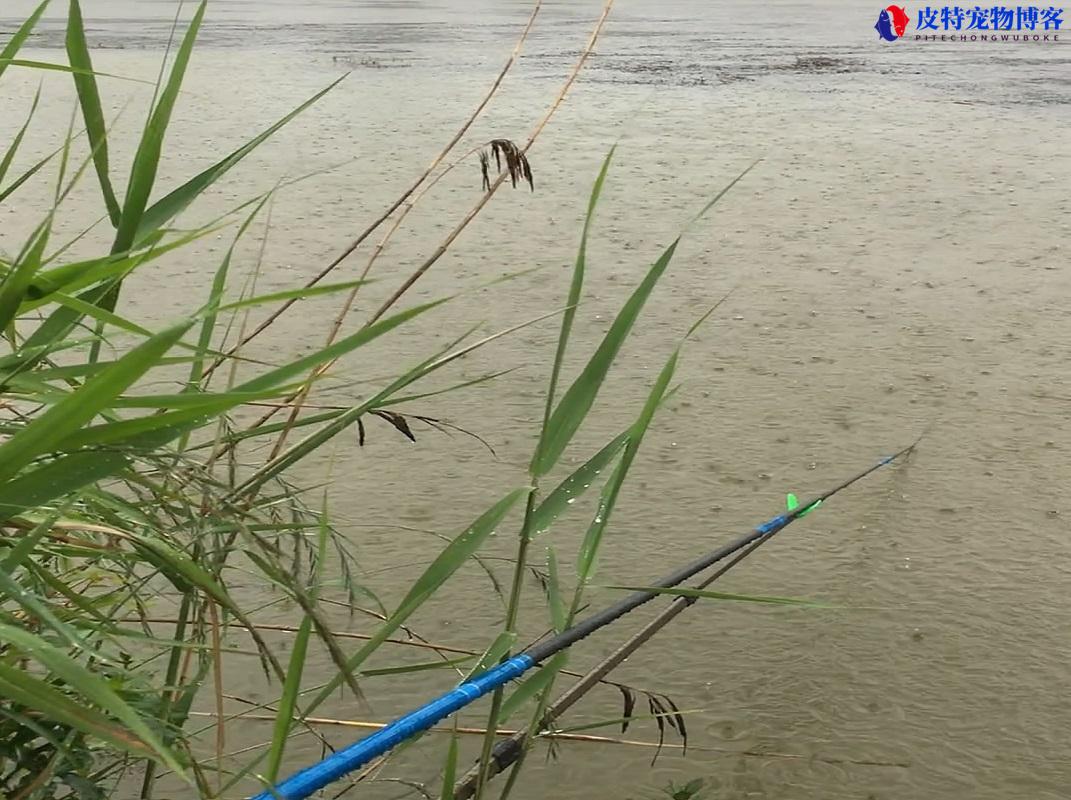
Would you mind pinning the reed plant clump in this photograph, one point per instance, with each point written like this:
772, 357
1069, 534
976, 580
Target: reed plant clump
121, 484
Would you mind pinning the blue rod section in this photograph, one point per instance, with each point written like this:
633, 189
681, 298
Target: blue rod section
314, 778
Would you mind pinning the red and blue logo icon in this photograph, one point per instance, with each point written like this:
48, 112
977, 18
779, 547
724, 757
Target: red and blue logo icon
892, 22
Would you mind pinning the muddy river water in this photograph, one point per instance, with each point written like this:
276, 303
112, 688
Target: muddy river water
899, 260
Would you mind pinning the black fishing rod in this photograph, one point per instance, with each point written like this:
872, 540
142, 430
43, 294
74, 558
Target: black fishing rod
508, 751
311, 779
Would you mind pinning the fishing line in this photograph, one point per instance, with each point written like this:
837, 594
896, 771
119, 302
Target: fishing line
311, 779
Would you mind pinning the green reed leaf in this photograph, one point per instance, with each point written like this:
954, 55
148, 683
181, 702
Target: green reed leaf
6, 193
437, 573
580, 396
159, 429
574, 486
147, 158
215, 297
450, 769
48, 66
14, 147
20, 36
172, 204
677, 591
288, 701
589, 548
57, 478
80, 274
48, 429
424, 666
85, 84
302, 293
14, 285
576, 287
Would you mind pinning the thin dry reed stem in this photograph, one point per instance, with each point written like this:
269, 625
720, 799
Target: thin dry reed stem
217, 675
297, 400
441, 649
302, 394
476, 209
519, 153
263, 626
578, 737
184, 674
405, 195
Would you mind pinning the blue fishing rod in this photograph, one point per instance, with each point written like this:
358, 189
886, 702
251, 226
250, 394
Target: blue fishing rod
314, 778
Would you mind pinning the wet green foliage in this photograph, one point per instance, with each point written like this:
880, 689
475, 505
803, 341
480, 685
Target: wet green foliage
120, 486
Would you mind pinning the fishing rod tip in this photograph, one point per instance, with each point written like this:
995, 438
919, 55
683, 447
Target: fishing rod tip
925, 432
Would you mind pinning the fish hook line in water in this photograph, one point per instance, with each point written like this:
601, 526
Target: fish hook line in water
340, 763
